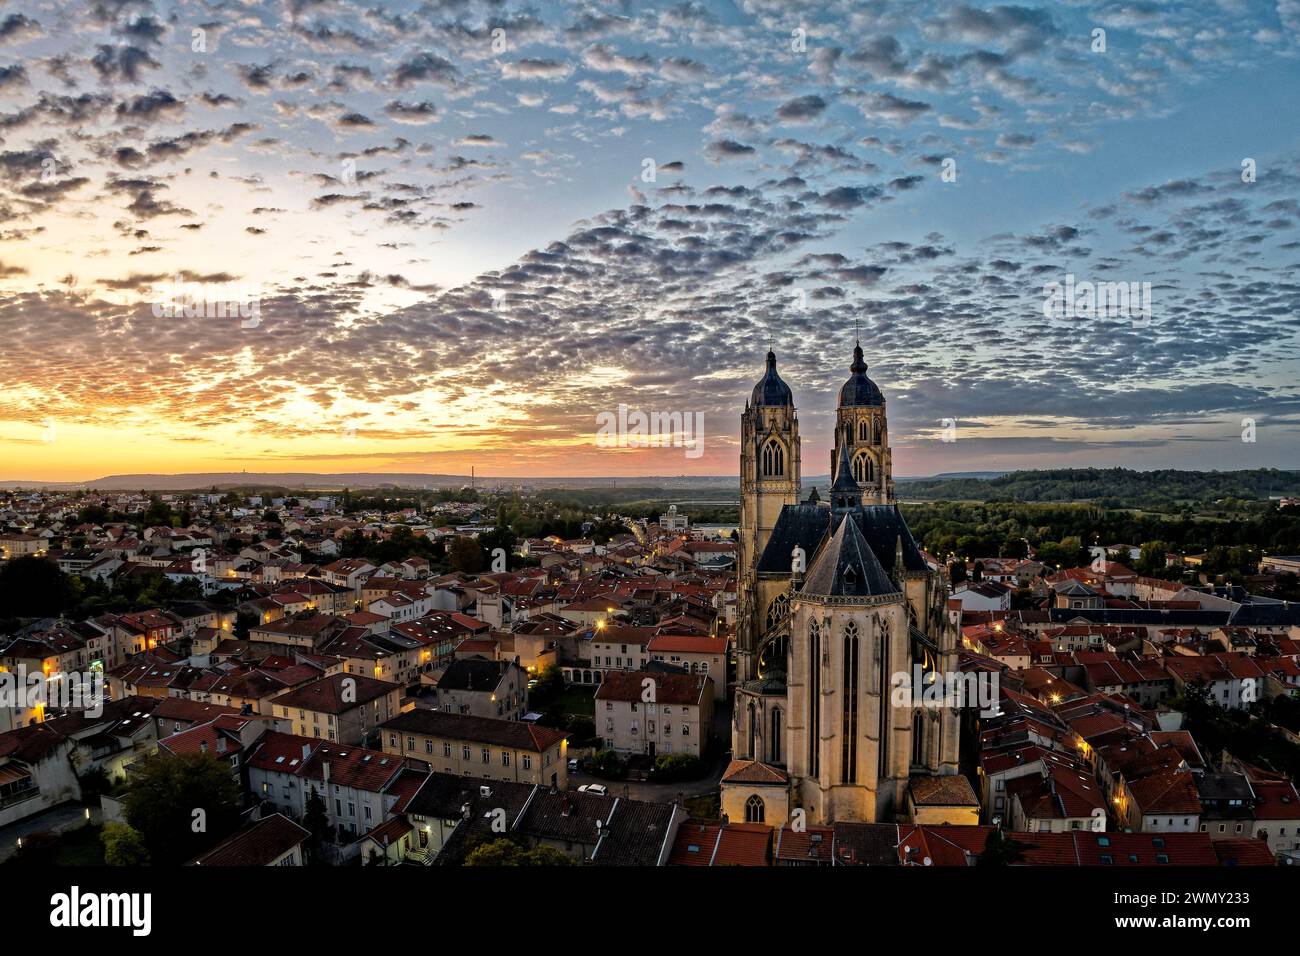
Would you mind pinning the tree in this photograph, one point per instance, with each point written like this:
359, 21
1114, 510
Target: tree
182, 804
550, 687
316, 820
34, 587
123, 846
1001, 850
466, 556
506, 852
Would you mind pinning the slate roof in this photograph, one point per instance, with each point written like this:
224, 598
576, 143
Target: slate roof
770, 390
846, 566
805, 524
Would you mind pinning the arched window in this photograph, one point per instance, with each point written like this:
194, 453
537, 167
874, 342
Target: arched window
774, 745
814, 698
864, 430
777, 610
918, 740
849, 716
753, 730
773, 459
755, 809
880, 432
864, 469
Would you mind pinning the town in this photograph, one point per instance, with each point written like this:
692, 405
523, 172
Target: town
397, 678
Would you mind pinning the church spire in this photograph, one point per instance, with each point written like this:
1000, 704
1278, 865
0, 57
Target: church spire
846, 493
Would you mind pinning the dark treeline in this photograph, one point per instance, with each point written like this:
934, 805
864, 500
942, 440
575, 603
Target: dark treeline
1110, 486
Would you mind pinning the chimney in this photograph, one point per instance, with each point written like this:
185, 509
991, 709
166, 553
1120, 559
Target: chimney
565, 807
221, 744
325, 772
306, 751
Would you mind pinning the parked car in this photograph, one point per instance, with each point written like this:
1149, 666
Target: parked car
599, 789
574, 765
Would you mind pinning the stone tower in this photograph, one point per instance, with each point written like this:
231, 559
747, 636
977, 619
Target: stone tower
769, 480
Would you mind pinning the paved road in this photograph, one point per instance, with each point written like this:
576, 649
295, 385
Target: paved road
66, 816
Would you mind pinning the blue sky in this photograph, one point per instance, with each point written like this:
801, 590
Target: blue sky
459, 261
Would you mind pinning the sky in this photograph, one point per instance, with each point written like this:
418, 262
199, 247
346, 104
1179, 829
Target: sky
430, 237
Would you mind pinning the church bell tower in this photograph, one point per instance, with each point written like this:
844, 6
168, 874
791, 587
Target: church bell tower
769, 479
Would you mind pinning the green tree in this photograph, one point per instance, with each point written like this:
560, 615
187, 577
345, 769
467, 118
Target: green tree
466, 556
506, 852
123, 846
182, 804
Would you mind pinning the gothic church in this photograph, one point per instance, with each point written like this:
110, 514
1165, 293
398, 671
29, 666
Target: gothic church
834, 600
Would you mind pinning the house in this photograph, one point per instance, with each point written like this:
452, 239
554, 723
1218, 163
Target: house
944, 799
482, 688
1057, 800
983, 596
272, 841
43, 764
360, 788
1234, 681
345, 708
655, 713
695, 655
451, 816
621, 647
510, 750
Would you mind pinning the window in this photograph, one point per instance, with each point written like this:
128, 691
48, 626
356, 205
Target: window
814, 698
487, 755
446, 749
755, 809
410, 743
528, 761
864, 469
464, 752
505, 758
428, 746
773, 459
849, 714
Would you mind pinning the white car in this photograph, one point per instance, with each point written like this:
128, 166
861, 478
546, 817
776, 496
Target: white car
599, 789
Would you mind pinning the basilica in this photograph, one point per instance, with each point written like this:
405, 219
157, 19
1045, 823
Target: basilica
836, 604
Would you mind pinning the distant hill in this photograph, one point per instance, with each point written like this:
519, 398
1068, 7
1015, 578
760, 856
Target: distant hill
1118, 485
227, 480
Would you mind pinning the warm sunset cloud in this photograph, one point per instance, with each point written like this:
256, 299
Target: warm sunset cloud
468, 232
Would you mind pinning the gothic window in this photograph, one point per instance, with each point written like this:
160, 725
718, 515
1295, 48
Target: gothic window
753, 729
849, 716
918, 740
864, 430
777, 610
880, 432
864, 469
774, 745
755, 810
773, 459
814, 697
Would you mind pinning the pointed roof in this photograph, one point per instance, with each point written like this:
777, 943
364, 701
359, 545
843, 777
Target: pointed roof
845, 566
844, 481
